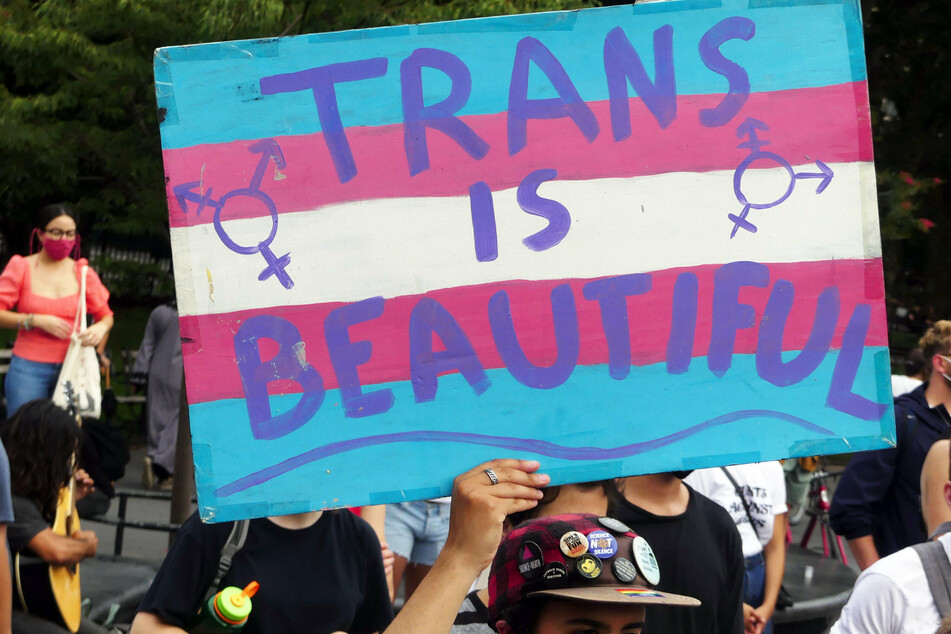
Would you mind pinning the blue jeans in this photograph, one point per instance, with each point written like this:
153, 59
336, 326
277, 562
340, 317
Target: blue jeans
417, 531
754, 585
27, 381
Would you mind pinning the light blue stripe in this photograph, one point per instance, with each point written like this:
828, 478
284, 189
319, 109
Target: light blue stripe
217, 95
647, 405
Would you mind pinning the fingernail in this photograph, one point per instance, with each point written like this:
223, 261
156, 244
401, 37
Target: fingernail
531, 464
542, 478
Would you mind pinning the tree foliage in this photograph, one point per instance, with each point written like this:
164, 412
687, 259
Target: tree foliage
77, 101
910, 93
78, 117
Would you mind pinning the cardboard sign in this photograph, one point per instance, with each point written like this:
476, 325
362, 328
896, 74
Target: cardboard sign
619, 241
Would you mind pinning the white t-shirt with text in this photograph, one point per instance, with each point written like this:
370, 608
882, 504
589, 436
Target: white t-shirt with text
764, 487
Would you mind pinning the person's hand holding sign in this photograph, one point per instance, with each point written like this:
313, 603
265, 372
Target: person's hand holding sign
480, 503
481, 499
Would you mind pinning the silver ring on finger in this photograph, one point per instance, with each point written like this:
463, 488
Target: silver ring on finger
494, 478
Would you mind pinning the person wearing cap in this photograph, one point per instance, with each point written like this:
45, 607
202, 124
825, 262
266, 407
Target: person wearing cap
482, 498
583, 497
575, 570
698, 547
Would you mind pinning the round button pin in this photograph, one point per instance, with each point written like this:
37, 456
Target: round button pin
614, 525
624, 570
602, 544
573, 544
589, 566
555, 575
646, 562
530, 560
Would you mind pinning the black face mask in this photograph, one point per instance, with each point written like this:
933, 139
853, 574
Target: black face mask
682, 474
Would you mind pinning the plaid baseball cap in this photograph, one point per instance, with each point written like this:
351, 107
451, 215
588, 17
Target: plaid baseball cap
577, 556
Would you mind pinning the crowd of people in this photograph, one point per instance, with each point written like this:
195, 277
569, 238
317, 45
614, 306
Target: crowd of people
699, 552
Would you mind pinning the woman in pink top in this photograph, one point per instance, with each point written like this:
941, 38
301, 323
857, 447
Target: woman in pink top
44, 289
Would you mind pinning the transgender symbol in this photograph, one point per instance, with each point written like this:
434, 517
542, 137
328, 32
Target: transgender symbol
268, 149
749, 128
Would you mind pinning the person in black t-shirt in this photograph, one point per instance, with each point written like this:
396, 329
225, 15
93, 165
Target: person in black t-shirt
319, 572
698, 548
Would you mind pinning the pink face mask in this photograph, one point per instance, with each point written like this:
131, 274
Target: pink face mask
59, 249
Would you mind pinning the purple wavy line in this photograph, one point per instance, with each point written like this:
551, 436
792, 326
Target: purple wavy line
541, 447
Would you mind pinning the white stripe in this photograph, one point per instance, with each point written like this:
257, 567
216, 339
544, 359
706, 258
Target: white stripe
405, 246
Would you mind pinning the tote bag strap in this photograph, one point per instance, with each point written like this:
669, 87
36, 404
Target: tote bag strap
79, 324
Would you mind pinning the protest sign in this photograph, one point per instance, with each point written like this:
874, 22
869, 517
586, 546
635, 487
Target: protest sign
620, 241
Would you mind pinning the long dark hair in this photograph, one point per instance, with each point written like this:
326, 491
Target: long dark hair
40, 439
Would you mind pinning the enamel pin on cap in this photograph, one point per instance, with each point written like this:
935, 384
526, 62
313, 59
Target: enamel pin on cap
646, 562
589, 566
573, 544
530, 560
624, 570
614, 525
602, 544
555, 575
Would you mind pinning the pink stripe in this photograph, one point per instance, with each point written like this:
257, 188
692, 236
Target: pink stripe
213, 374
806, 124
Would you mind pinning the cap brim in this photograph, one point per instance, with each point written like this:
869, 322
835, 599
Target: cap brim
619, 594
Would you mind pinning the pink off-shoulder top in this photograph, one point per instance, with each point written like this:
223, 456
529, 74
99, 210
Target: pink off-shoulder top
35, 344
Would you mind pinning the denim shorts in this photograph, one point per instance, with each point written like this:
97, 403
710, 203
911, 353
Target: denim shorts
417, 531
28, 380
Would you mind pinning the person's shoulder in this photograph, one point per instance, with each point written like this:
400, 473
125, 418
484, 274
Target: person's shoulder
213, 535
350, 524
701, 478
912, 404
772, 470
714, 514
18, 263
899, 567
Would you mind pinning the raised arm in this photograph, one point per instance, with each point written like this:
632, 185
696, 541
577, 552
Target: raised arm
475, 529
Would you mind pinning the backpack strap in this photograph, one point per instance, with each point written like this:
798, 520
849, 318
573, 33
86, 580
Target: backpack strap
739, 494
934, 560
239, 532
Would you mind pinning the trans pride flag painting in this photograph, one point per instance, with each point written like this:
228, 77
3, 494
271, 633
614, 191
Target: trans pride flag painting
618, 241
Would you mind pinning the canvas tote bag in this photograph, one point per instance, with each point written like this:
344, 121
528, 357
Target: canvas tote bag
79, 376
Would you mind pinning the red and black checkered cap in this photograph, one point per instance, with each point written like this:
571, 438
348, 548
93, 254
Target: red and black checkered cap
515, 575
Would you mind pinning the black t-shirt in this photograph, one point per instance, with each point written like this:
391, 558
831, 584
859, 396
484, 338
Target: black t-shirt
700, 555
28, 523
324, 578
